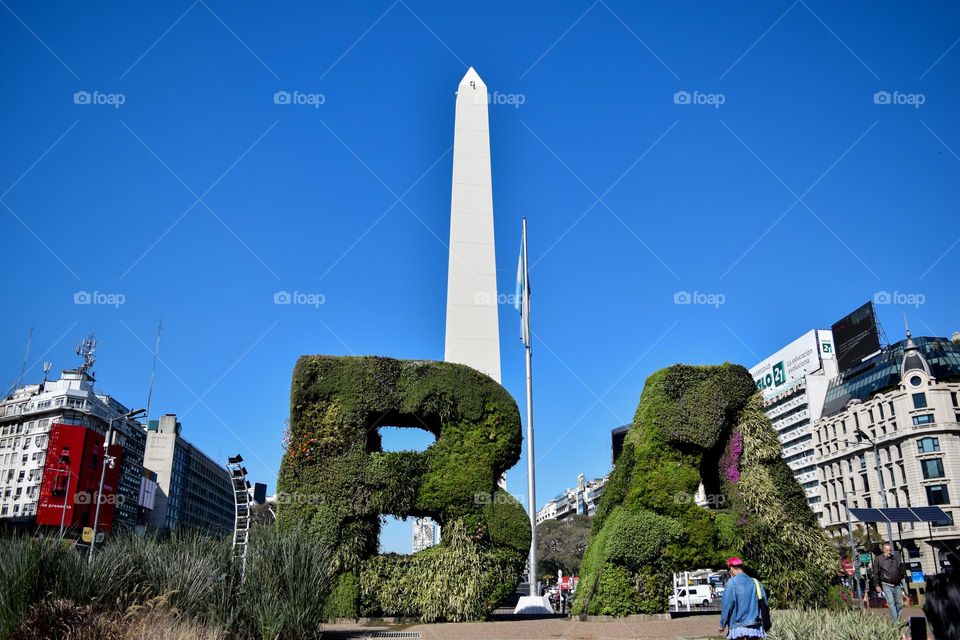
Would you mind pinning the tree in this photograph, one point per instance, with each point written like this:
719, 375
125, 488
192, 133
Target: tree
561, 545
262, 514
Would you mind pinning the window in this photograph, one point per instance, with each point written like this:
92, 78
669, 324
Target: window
915, 381
919, 401
937, 494
880, 407
932, 468
863, 460
928, 445
935, 524
926, 418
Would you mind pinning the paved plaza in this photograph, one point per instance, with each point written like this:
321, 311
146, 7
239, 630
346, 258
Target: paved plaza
639, 627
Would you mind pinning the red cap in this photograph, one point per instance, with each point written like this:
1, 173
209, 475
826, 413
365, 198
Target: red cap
734, 562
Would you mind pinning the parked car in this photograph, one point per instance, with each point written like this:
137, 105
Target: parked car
700, 595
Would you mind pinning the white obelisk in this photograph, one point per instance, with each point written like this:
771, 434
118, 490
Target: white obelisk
473, 333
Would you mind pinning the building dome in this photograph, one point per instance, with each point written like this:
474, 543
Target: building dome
913, 359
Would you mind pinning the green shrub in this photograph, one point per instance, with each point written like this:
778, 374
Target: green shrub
344, 599
824, 624
639, 537
454, 581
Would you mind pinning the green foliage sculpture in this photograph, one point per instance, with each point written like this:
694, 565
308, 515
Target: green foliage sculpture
698, 424
336, 483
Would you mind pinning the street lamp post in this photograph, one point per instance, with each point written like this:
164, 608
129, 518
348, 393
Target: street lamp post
66, 496
854, 556
103, 471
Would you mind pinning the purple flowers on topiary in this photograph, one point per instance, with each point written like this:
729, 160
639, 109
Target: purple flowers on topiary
730, 462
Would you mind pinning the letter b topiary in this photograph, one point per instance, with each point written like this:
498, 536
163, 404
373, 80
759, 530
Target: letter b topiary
336, 481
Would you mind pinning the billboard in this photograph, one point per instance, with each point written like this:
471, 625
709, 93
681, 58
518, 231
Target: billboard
827, 351
789, 365
856, 337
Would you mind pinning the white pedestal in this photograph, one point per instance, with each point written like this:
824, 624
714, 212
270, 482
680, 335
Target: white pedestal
533, 605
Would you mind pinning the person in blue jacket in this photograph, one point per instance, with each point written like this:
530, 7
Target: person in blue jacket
740, 615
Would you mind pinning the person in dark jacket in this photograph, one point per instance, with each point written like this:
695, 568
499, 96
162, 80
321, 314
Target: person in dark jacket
740, 615
888, 573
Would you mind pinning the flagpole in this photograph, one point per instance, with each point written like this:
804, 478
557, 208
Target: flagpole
531, 467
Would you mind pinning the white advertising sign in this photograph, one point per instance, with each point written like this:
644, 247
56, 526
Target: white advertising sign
790, 364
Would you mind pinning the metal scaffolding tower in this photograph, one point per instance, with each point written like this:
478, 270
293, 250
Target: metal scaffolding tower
241, 501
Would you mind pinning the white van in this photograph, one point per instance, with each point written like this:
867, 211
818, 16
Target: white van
700, 595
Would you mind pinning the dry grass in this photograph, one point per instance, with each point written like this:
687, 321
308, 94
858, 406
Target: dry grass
153, 620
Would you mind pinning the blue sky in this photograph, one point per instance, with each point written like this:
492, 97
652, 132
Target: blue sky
741, 151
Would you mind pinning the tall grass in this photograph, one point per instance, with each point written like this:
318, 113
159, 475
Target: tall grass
823, 624
193, 577
288, 580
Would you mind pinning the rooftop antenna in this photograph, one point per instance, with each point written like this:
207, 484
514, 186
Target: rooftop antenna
153, 371
26, 356
906, 324
85, 350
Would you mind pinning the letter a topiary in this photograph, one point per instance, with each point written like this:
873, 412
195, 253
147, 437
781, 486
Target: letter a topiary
336, 482
693, 425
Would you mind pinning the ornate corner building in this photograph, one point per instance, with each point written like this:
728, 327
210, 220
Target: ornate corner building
906, 401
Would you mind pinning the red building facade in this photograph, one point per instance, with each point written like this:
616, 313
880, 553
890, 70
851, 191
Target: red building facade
71, 476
